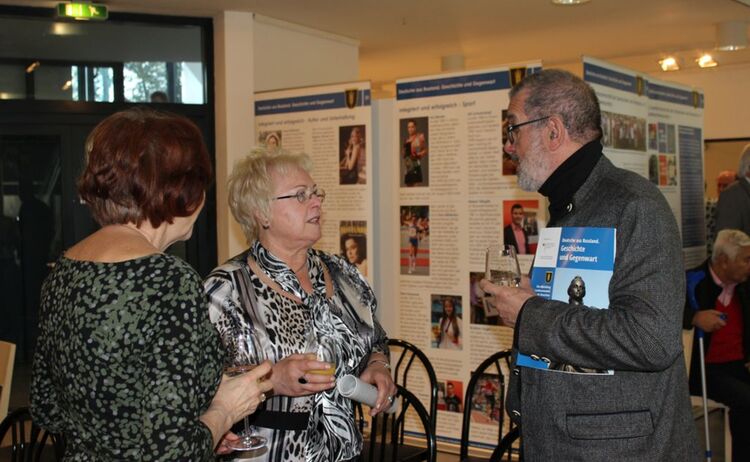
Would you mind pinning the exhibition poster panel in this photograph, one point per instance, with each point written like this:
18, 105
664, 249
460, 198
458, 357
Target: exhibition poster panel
333, 125
655, 128
457, 192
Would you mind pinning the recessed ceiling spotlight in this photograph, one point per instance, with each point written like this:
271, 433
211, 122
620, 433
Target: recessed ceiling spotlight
669, 64
569, 2
706, 60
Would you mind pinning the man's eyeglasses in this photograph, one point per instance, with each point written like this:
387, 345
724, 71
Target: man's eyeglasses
511, 128
304, 195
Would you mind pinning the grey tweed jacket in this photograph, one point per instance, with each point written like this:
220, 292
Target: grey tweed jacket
642, 412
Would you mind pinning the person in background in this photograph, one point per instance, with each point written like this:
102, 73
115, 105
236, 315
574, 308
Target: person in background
733, 208
413, 151
159, 97
128, 366
723, 180
452, 401
515, 234
554, 131
296, 299
718, 303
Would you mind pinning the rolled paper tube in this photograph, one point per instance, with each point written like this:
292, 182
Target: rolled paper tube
351, 387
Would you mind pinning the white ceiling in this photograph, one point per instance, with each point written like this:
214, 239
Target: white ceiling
401, 38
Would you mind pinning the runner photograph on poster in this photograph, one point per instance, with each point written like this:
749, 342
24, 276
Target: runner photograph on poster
446, 314
486, 404
414, 165
354, 243
352, 155
415, 240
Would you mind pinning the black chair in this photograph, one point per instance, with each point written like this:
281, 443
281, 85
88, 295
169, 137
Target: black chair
386, 438
29, 443
505, 448
491, 373
402, 362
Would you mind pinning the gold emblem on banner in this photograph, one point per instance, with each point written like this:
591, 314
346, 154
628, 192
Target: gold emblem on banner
548, 276
352, 97
696, 99
516, 75
639, 85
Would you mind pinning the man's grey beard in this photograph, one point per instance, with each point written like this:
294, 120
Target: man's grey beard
532, 168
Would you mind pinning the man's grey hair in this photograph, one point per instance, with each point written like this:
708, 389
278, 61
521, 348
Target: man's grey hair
558, 92
728, 242
742, 170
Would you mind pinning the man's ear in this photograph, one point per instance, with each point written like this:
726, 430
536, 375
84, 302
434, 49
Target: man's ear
556, 132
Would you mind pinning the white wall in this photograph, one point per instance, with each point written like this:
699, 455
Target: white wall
233, 51
289, 56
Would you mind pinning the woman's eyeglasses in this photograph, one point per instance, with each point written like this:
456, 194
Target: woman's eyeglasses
304, 195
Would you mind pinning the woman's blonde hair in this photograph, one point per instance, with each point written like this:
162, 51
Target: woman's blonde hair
251, 187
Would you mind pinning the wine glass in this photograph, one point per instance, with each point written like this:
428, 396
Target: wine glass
245, 352
501, 265
324, 349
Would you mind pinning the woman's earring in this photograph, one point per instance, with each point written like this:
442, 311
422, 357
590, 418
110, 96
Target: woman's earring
266, 225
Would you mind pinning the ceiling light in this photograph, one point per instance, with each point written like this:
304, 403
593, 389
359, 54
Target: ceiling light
669, 64
731, 35
66, 86
706, 60
569, 2
32, 67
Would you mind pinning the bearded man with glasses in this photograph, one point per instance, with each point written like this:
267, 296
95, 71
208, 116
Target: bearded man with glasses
642, 411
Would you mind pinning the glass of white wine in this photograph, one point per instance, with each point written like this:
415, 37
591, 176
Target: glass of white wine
324, 349
244, 353
501, 266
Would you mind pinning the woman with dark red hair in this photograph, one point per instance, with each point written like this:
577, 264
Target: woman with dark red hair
128, 365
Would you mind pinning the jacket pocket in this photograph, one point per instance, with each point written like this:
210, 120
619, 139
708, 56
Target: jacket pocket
630, 424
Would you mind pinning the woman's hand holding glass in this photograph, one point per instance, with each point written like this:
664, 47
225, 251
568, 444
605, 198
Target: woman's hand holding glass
293, 376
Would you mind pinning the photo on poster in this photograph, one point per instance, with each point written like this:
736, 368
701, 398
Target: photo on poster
481, 312
624, 131
653, 168
414, 165
520, 225
271, 139
446, 315
510, 166
415, 240
453, 398
652, 143
486, 403
661, 137
352, 155
353, 238
671, 139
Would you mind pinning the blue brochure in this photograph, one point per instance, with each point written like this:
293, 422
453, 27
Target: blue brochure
572, 265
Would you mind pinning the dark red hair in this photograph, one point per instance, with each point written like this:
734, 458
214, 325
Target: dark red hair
143, 164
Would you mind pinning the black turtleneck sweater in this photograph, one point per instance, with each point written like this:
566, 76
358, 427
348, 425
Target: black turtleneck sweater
568, 178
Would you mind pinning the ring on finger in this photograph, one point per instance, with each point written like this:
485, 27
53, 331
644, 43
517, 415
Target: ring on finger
262, 397
302, 380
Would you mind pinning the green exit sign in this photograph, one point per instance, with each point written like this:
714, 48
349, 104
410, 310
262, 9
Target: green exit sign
81, 10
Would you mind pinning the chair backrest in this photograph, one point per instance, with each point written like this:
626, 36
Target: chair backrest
402, 360
7, 359
488, 384
387, 431
505, 447
28, 442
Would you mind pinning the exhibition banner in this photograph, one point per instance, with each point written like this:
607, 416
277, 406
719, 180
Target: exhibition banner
333, 125
457, 194
655, 128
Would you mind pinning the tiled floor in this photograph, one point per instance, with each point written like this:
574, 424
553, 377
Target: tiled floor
22, 378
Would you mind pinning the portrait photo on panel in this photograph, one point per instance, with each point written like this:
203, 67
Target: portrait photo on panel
414, 165
521, 225
453, 398
352, 158
415, 240
510, 165
446, 314
353, 239
270, 139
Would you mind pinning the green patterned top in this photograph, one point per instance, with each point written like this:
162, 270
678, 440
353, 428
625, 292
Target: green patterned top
127, 360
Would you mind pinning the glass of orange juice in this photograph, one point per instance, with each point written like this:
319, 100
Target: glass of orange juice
324, 349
